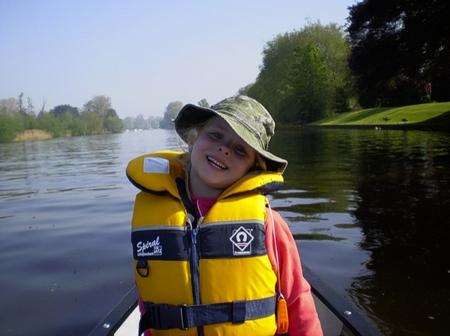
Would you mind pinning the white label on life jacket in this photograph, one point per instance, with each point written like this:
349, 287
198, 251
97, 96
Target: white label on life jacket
156, 165
149, 248
242, 241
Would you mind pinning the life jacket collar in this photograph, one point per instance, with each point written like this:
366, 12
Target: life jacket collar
157, 172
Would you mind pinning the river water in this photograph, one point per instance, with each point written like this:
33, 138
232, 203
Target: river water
371, 209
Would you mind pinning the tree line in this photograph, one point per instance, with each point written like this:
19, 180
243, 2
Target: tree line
96, 117
140, 122
391, 53
165, 122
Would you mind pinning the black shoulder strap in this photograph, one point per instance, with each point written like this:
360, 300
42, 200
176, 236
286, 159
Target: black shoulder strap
191, 209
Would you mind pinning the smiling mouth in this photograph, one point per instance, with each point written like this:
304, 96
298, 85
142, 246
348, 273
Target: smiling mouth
216, 163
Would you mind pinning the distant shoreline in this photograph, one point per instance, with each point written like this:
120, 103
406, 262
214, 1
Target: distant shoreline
38, 135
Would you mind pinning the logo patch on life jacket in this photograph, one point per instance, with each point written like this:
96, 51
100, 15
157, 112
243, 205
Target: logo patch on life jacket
149, 248
242, 241
156, 165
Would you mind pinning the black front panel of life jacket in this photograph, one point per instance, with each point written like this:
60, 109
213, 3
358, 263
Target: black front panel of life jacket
159, 244
232, 240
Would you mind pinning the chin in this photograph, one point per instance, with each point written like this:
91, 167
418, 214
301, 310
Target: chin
217, 185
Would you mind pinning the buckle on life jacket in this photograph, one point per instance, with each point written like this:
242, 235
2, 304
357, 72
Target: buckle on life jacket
142, 268
164, 316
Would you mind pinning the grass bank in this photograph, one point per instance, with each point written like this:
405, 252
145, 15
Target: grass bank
421, 116
33, 134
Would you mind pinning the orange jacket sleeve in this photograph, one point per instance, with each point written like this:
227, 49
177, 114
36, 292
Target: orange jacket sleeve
303, 319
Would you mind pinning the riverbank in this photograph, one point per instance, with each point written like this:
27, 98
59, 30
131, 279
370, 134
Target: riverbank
421, 116
32, 135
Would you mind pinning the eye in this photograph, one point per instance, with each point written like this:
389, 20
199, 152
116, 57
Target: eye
214, 135
239, 150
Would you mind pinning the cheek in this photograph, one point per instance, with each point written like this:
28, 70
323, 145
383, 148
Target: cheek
201, 143
197, 146
195, 154
199, 149
243, 166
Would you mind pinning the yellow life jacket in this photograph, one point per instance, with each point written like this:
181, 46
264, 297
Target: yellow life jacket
201, 276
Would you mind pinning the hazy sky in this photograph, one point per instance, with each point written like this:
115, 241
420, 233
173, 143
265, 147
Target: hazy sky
143, 54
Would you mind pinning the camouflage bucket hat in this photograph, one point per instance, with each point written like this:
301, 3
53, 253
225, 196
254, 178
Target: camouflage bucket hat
248, 118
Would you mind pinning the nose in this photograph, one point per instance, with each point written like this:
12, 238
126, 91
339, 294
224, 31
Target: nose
224, 150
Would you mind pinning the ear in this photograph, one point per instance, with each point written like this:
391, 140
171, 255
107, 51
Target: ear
260, 163
191, 136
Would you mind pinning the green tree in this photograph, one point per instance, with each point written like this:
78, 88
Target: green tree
290, 60
113, 124
10, 125
203, 103
244, 90
398, 48
170, 114
60, 110
92, 123
20, 103
98, 105
30, 107
48, 122
29, 121
99, 117
312, 87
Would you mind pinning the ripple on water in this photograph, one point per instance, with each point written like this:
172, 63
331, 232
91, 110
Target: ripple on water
293, 201
291, 191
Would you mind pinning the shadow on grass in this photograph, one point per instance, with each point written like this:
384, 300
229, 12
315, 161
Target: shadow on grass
356, 116
441, 122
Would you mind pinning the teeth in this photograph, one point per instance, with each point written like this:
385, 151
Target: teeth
215, 162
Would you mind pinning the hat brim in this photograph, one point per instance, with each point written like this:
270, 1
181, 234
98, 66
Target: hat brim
192, 115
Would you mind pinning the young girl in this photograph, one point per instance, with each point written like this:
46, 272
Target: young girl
211, 257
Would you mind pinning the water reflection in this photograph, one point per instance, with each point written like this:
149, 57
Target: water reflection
403, 209
392, 190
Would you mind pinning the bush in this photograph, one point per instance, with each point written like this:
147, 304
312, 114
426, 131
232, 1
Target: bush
9, 127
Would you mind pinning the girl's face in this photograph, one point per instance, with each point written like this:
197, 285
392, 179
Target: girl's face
219, 157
